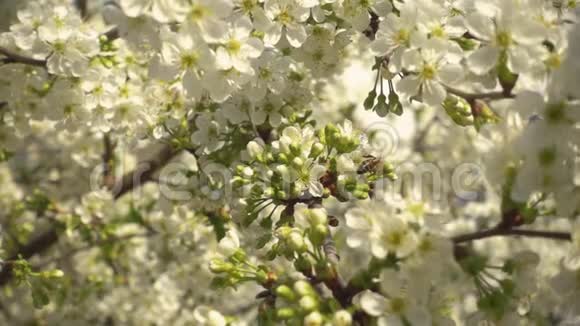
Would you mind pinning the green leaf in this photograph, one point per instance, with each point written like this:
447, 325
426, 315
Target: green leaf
219, 226
39, 293
263, 240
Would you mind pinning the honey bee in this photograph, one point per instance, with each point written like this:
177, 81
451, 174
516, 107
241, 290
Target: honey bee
370, 164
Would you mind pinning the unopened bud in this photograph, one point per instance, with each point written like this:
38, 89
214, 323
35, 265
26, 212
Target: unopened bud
219, 266
342, 318
308, 303
313, 319
286, 292
303, 288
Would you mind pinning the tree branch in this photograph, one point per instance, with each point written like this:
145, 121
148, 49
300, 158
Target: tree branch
475, 96
498, 232
12, 57
144, 172
36, 246
82, 7
130, 181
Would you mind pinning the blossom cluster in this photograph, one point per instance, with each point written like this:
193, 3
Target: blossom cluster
219, 154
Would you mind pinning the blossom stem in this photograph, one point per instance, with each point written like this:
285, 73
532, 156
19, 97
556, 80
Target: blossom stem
498, 232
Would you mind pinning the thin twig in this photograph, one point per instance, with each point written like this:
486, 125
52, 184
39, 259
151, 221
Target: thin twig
474, 96
108, 161
82, 7
498, 232
12, 57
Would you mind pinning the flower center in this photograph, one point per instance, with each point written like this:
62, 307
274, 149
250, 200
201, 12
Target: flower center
395, 238
284, 17
233, 46
198, 12
397, 305
438, 32
428, 72
553, 61
503, 39
402, 36
265, 73
248, 5
189, 60
555, 112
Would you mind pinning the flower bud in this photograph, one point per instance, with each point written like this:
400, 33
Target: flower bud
285, 313
382, 109
255, 150
219, 266
308, 303
361, 195
318, 216
239, 255
295, 149
313, 319
303, 288
298, 162
247, 172
57, 273
370, 100
318, 234
283, 171
342, 318
316, 150
286, 292
296, 242
395, 105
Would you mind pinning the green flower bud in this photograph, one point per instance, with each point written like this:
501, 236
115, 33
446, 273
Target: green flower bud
308, 303
295, 149
316, 150
395, 105
302, 264
507, 79
303, 288
296, 242
286, 293
361, 195
57, 273
370, 100
239, 256
283, 232
283, 158
285, 313
318, 216
342, 318
298, 162
318, 234
313, 319
381, 108
282, 195
363, 187
219, 266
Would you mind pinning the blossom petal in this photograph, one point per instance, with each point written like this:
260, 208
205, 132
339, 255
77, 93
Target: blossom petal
483, 59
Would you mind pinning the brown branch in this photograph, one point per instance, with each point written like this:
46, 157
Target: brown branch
144, 172
82, 7
130, 181
475, 96
12, 57
36, 246
108, 161
499, 232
